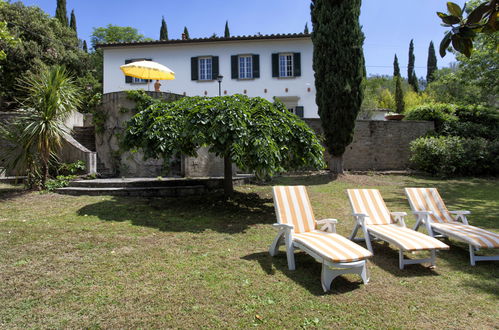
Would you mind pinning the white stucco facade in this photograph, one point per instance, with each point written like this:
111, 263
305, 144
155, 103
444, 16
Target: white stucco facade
293, 91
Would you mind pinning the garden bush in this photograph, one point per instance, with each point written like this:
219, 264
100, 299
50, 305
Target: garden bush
440, 113
447, 156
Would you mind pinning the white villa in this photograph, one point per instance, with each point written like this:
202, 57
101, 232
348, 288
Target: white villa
264, 65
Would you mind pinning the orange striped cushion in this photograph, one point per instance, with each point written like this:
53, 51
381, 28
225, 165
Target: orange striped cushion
428, 199
332, 246
406, 239
293, 208
475, 236
370, 202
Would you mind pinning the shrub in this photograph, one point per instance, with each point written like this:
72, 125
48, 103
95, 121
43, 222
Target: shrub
455, 156
439, 113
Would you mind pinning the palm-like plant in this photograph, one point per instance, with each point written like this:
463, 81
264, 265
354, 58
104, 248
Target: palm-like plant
51, 97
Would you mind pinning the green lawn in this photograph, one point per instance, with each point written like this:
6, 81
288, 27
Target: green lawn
109, 262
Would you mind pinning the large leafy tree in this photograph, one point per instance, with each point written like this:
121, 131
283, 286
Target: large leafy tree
6, 38
431, 66
51, 97
61, 13
163, 31
338, 63
43, 42
255, 134
114, 33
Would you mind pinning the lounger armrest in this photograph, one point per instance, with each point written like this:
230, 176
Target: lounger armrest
283, 226
422, 212
329, 225
399, 217
360, 218
461, 215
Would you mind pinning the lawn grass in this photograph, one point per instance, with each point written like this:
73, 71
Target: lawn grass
114, 262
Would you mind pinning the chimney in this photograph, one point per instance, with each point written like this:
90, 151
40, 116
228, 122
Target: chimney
184, 37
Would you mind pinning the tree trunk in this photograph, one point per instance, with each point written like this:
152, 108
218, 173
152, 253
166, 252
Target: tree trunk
228, 185
336, 164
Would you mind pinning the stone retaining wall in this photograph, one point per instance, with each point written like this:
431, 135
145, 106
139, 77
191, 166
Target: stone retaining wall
379, 145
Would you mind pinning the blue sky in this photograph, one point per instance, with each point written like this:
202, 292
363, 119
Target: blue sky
389, 25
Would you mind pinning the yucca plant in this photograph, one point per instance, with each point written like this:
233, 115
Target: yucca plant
36, 136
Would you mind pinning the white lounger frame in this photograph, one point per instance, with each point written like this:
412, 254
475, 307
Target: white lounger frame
423, 218
360, 220
330, 270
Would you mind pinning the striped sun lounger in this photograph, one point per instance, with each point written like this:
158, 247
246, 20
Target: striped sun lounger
372, 216
297, 230
431, 212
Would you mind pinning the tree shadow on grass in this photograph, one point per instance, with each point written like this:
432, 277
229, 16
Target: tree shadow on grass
188, 214
12, 192
306, 179
307, 273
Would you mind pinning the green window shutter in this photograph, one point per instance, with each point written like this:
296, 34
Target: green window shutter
214, 67
234, 67
299, 111
275, 65
194, 68
297, 64
128, 79
256, 66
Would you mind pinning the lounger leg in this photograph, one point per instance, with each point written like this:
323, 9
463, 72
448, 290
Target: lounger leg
354, 232
418, 223
472, 255
274, 247
365, 274
401, 259
368, 240
290, 252
327, 277
433, 257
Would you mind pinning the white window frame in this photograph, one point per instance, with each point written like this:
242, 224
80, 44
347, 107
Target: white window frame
245, 66
205, 68
286, 65
138, 81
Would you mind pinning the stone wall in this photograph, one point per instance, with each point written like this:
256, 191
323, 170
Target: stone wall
379, 145
117, 110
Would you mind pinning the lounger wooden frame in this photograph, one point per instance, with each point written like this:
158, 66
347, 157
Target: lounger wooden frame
396, 220
425, 217
330, 270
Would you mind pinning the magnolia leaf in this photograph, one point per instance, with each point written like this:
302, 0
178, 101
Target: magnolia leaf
454, 9
458, 43
478, 13
451, 19
444, 44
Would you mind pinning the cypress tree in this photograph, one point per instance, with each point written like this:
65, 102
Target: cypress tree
85, 48
432, 63
396, 68
72, 22
338, 63
61, 13
186, 32
163, 31
412, 79
306, 29
399, 95
226, 32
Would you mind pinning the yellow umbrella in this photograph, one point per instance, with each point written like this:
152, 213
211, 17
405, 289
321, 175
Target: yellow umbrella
147, 70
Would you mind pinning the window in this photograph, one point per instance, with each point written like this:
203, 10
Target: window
245, 67
286, 65
138, 81
205, 68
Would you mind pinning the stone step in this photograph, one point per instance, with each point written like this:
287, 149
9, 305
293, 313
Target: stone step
135, 191
209, 183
